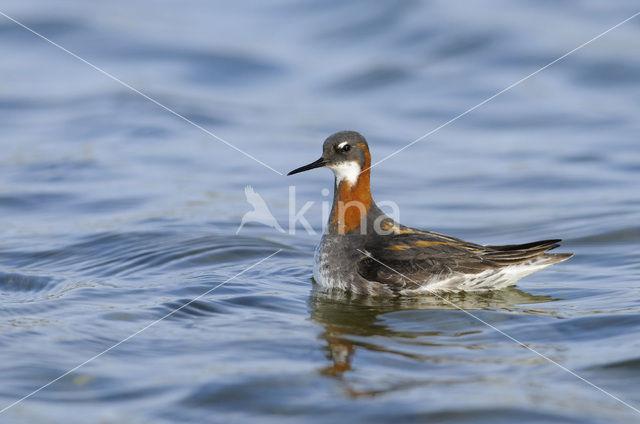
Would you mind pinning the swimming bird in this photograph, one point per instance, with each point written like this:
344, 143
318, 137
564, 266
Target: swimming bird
366, 252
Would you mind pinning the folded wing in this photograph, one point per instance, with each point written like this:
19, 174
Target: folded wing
411, 258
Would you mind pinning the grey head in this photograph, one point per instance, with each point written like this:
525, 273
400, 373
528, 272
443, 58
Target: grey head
346, 153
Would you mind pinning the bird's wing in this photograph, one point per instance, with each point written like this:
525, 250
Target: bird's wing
254, 198
406, 260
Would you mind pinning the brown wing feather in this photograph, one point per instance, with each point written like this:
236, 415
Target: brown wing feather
519, 253
410, 257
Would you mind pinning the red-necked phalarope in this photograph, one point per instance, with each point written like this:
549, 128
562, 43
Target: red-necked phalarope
364, 251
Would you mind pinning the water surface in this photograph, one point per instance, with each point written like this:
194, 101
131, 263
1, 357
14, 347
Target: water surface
115, 212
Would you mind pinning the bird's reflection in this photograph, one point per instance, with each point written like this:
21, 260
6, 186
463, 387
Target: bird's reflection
347, 318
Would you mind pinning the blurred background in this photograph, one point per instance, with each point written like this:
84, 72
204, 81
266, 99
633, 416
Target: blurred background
114, 212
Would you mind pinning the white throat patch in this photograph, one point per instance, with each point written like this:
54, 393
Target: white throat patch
349, 171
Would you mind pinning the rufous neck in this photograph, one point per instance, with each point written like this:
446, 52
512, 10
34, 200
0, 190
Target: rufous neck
351, 205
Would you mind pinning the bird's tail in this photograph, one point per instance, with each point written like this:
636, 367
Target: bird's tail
519, 253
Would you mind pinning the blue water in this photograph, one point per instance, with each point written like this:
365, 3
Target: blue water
114, 212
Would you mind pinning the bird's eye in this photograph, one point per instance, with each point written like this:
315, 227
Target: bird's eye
346, 148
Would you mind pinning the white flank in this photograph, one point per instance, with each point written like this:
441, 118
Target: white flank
486, 280
349, 171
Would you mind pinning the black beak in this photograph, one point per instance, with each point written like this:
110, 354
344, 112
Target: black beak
317, 164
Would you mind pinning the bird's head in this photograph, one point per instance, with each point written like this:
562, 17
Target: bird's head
346, 153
